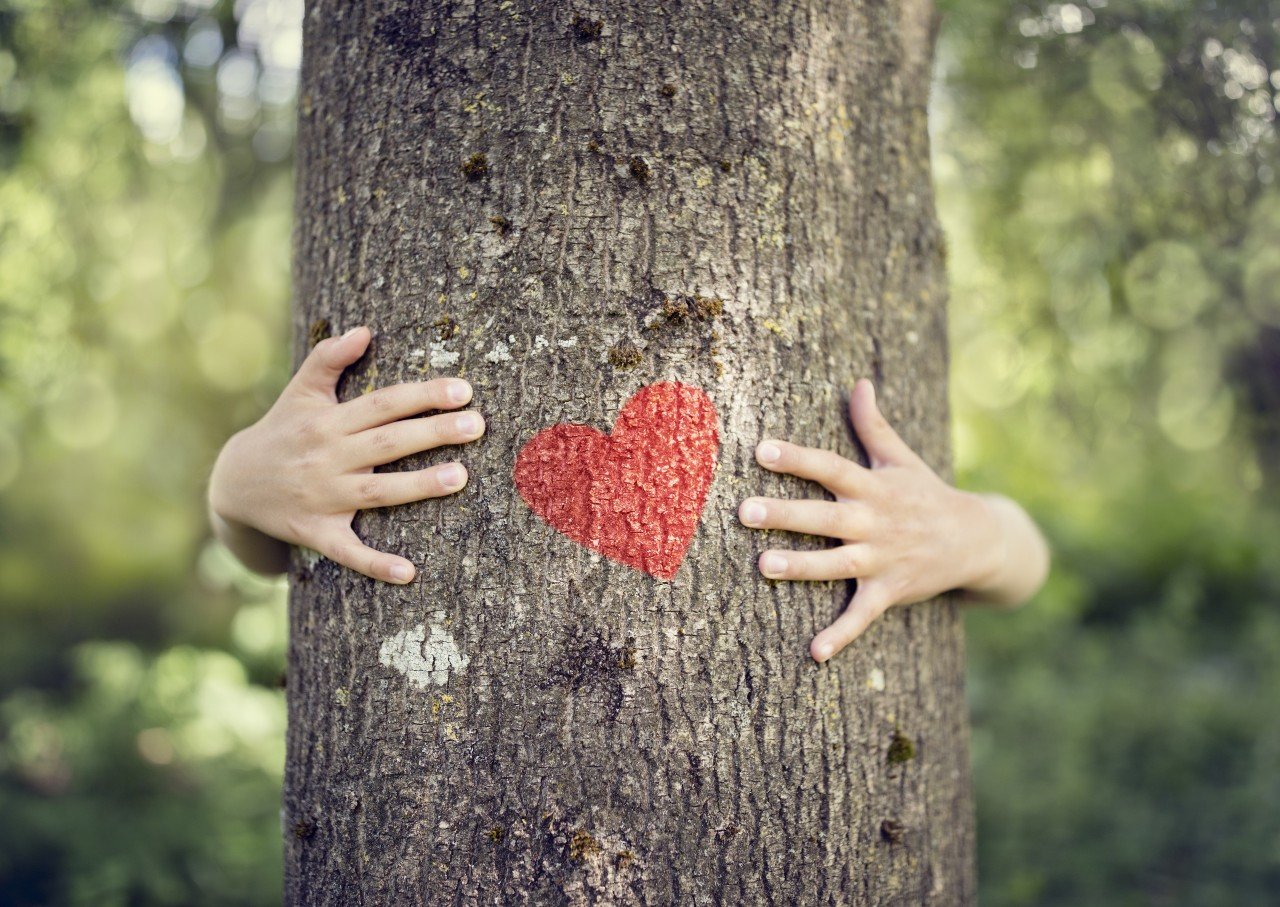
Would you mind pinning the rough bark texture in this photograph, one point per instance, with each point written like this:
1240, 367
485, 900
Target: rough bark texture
733, 196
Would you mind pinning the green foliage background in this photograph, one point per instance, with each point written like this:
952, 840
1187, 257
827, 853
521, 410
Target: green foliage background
1107, 176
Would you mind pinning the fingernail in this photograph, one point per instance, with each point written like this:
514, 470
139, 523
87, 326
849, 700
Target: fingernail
350, 333
768, 452
458, 391
468, 423
773, 565
753, 513
823, 652
451, 476
401, 573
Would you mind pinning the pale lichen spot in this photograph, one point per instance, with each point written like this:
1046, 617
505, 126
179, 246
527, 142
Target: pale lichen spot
500, 353
875, 680
441, 357
464, 272
310, 557
425, 655
567, 344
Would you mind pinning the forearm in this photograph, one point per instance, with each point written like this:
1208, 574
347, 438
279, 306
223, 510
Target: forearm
1020, 556
256, 550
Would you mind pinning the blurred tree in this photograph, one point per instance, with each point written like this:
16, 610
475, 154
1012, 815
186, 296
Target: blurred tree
565, 210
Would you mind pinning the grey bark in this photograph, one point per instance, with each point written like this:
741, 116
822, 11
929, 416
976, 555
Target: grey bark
600, 736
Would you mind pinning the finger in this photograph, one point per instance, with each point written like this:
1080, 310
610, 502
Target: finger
320, 371
400, 401
387, 489
843, 520
388, 443
345, 548
837, 474
868, 603
882, 443
844, 562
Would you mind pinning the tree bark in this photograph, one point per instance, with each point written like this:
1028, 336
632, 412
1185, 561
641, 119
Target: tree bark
566, 205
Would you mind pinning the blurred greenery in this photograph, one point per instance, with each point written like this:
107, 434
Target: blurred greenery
1107, 176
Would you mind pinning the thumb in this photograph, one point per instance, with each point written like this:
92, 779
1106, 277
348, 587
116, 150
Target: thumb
320, 371
344, 547
868, 603
882, 443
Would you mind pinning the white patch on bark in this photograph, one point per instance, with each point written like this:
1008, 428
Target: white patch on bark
440, 357
500, 353
426, 656
566, 344
875, 680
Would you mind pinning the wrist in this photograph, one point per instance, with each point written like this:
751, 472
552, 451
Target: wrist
988, 544
256, 549
226, 491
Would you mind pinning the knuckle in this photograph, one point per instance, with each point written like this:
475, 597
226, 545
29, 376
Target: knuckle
315, 498
318, 352
833, 465
850, 560
370, 492
312, 431
309, 460
297, 530
383, 441
859, 521
335, 550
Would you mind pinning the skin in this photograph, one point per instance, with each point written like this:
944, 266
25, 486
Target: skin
904, 533
299, 475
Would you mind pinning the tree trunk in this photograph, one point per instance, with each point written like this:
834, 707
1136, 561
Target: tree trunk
566, 206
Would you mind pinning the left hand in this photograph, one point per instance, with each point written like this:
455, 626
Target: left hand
905, 534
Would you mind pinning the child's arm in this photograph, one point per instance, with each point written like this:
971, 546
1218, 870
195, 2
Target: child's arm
299, 474
906, 534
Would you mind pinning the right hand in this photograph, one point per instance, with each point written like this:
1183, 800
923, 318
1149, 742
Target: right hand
304, 469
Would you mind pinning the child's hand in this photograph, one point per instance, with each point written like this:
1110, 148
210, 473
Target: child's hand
906, 535
300, 473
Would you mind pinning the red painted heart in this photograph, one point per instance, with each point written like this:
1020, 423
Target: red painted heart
634, 495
